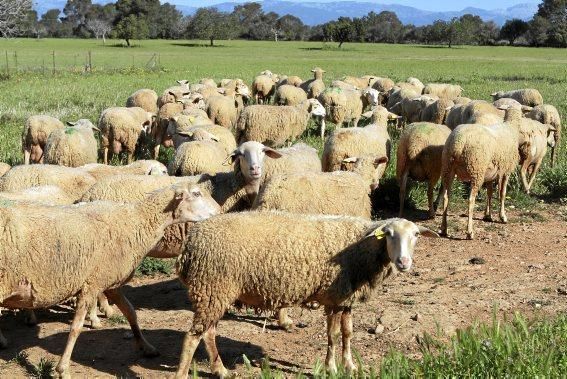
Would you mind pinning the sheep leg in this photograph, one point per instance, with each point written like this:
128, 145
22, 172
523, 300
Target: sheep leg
502, 194
284, 321
130, 157
104, 306
403, 185
217, 367
156, 150
355, 122
472, 199
488, 209
93, 316
27, 154
128, 311
431, 207
554, 150
322, 128
533, 175
524, 174
105, 153
76, 326
333, 333
3, 341
346, 329
446, 189
190, 344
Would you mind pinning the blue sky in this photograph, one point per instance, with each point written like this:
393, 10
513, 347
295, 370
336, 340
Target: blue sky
433, 5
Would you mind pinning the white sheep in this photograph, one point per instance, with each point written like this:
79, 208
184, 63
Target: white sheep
274, 125
203, 156
529, 96
297, 158
481, 154
346, 105
419, 154
292, 80
34, 137
141, 167
222, 110
263, 88
144, 98
121, 128
548, 114
4, 168
314, 87
298, 260
444, 91
182, 127
70, 257
289, 95
174, 94
73, 146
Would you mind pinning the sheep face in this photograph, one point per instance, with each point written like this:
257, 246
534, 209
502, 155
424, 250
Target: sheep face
372, 96
401, 236
249, 157
316, 109
243, 90
190, 205
158, 170
551, 130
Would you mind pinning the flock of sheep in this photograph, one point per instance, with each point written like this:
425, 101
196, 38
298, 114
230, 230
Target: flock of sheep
253, 220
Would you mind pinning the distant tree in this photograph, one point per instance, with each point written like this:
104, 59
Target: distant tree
291, 27
179, 29
513, 29
76, 12
210, 24
383, 27
247, 16
131, 27
470, 27
555, 12
50, 20
100, 28
488, 33
264, 27
453, 32
144, 22
166, 21
13, 14
538, 31
339, 31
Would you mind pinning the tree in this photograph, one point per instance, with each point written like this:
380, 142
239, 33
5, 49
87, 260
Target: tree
247, 16
383, 27
339, 31
13, 14
513, 29
131, 27
167, 20
76, 12
538, 31
488, 33
291, 27
50, 20
211, 24
555, 12
100, 28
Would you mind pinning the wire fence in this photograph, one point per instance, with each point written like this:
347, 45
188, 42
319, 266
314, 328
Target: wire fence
14, 62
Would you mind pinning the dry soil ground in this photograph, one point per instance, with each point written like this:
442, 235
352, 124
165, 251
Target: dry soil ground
524, 269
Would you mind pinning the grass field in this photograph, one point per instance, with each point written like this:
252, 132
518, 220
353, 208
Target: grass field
30, 85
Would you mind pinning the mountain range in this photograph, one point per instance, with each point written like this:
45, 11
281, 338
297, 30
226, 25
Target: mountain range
313, 13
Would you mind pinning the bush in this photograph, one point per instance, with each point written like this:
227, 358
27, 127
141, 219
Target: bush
153, 266
554, 180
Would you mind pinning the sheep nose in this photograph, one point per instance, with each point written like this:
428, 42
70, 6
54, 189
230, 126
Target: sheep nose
404, 263
374, 186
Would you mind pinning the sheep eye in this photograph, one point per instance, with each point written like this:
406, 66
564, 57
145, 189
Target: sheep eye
197, 194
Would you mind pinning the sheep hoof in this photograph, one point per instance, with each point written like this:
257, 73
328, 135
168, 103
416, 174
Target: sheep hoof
504, 219
149, 351
470, 235
30, 318
96, 323
3, 342
487, 218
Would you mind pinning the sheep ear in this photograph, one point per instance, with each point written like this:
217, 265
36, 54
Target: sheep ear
426, 232
175, 118
215, 138
551, 128
526, 109
380, 160
494, 94
367, 114
95, 128
392, 116
171, 93
71, 123
272, 153
221, 91
380, 232
185, 134
231, 158
350, 160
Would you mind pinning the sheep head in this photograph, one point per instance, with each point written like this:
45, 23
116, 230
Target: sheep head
191, 205
371, 168
249, 159
401, 237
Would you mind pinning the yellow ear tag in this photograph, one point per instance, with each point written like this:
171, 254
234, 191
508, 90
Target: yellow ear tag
191, 119
379, 234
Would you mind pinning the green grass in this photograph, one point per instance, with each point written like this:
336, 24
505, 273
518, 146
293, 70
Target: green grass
153, 266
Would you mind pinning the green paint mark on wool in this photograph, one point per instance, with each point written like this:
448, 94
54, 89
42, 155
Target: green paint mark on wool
70, 131
425, 128
5, 203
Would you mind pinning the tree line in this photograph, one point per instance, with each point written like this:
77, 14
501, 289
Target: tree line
143, 19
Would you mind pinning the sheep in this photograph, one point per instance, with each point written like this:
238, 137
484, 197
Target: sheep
222, 110
481, 154
419, 154
174, 94
548, 114
274, 125
141, 167
461, 100
121, 128
231, 83
290, 80
74, 251
204, 156
297, 158
360, 83
332, 193
373, 140
208, 82
398, 94
314, 87
445, 91
144, 98
534, 138
73, 146
529, 96
416, 83
411, 108
263, 88
4, 168
436, 112
345, 105
383, 85
34, 137
346, 259
241, 95
181, 128
476, 112
73, 181
289, 95
46, 195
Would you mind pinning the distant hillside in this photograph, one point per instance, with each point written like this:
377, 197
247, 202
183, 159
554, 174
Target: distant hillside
318, 13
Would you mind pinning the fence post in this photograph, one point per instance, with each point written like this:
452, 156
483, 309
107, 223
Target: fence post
16, 60
7, 64
53, 62
90, 61
43, 66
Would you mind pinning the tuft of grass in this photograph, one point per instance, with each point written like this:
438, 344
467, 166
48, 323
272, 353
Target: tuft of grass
554, 180
117, 320
42, 370
516, 349
153, 266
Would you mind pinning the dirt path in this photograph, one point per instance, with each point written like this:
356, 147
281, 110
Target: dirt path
524, 265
